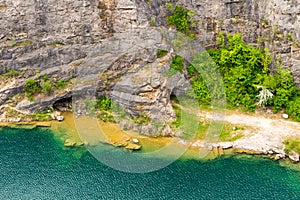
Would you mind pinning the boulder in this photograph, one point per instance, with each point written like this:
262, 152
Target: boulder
225, 145
60, 118
279, 156
294, 157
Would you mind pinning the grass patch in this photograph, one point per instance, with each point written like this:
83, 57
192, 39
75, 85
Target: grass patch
23, 43
230, 133
11, 73
292, 144
161, 53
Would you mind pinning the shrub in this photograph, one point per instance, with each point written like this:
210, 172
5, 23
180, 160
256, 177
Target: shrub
60, 84
32, 87
284, 89
152, 21
103, 103
180, 18
12, 73
245, 71
293, 108
47, 88
177, 63
161, 53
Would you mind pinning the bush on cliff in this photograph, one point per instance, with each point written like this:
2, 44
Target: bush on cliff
32, 87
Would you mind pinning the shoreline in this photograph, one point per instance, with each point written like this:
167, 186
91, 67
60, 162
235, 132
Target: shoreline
66, 131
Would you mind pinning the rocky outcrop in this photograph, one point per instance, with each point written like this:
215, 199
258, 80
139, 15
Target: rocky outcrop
67, 39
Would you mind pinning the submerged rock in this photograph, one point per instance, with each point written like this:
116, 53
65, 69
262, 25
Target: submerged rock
69, 143
133, 147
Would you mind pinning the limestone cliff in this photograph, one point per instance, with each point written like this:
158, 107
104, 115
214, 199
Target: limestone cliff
59, 39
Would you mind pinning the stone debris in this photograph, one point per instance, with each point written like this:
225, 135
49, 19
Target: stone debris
135, 141
285, 116
294, 157
60, 118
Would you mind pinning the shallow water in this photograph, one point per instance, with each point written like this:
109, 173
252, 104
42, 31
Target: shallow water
35, 165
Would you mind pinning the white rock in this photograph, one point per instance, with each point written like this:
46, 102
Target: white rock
52, 116
60, 118
135, 141
285, 116
225, 145
294, 156
270, 152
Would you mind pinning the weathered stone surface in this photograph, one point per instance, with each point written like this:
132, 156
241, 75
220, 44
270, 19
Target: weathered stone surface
59, 38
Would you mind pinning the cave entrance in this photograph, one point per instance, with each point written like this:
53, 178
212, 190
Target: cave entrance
64, 104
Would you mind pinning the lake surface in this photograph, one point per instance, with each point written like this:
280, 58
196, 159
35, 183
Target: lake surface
35, 165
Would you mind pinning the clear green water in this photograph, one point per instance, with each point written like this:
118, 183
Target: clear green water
34, 165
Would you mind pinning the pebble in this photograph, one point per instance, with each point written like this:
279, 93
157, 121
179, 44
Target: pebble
285, 116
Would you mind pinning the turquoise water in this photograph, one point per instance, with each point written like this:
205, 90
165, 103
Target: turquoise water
35, 165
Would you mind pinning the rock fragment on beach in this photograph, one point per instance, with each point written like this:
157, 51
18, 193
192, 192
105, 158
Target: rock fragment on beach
52, 116
225, 145
279, 156
135, 141
60, 118
285, 116
294, 157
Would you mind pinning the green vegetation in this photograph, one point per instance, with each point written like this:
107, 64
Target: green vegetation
11, 113
103, 107
170, 7
47, 88
142, 119
180, 18
40, 117
292, 145
12, 73
152, 21
32, 87
293, 108
90, 106
103, 103
246, 77
177, 63
230, 133
61, 84
161, 53
23, 43
289, 37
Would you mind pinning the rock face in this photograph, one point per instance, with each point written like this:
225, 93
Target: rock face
61, 38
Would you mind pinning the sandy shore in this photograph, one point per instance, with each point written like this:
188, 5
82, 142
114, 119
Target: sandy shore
265, 135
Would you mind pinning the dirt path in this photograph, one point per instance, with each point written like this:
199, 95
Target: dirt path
266, 134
